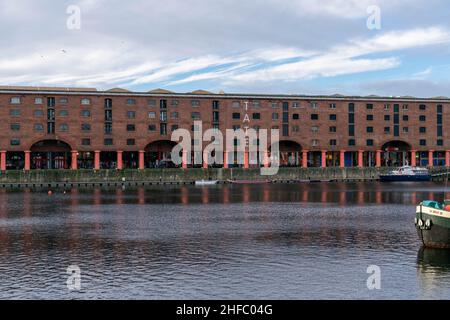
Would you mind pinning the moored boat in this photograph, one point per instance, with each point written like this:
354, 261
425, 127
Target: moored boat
206, 182
248, 181
407, 173
433, 223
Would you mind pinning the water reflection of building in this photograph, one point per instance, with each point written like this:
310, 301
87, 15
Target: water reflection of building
433, 268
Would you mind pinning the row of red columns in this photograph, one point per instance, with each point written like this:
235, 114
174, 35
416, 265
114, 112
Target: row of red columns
266, 160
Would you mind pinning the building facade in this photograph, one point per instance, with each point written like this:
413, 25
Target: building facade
68, 128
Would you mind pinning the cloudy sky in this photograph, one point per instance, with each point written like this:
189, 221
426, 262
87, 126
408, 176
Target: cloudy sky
259, 46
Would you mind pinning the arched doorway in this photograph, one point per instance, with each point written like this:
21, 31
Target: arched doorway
158, 154
290, 153
396, 153
50, 154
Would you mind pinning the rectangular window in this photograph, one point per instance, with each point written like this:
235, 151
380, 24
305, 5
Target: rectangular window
131, 127
152, 115
163, 129
108, 103
215, 116
296, 116
85, 127
369, 142
131, 102
274, 116
369, 117
131, 142
295, 105
274, 105
15, 100
38, 101
256, 104
108, 115
332, 105
63, 113
285, 130
405, 118
195, 115
236, 115
333, 117
439, 108
351, 107
163, 104
151, 103
236, 104
256, 116
314, 116
63, 127
85, 142
439, 119
396, 108
285, 106
351, 142
422, 107
333, 129
405, 107
351, 130
423, 142
15, 126
174, 115
440, 142
369, 129
38, 127
285, 116
108, 142
131, 114
314, 105
63, 101
387, 117
422, 118
151, 127
85, 102
439, 131
351, 118
174, 127
215, 105
422, 130
14, 112
295, 128
369, 106
85, 113
333, 142
405, 129
396, 130
163, 116
387, 129
108, 128
38, 113
387, 106
195, 103
15, 142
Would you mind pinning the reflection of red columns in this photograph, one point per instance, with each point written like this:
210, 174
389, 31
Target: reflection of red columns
447, 158
141, 160
342, 159
360, 158
324, 159
266, 159
74, 163
184, 159
413, 158
246, 164
27, 160
97, 160
3, 160
205, 160
430, 158
119, 160
225, 159
378, 159
305, 158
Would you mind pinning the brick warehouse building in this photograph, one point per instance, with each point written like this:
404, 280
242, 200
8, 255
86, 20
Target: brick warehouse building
62, 128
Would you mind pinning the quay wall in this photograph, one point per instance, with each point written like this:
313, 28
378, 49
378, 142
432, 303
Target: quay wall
190, 175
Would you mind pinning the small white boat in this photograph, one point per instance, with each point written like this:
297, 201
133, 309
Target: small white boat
206, 182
